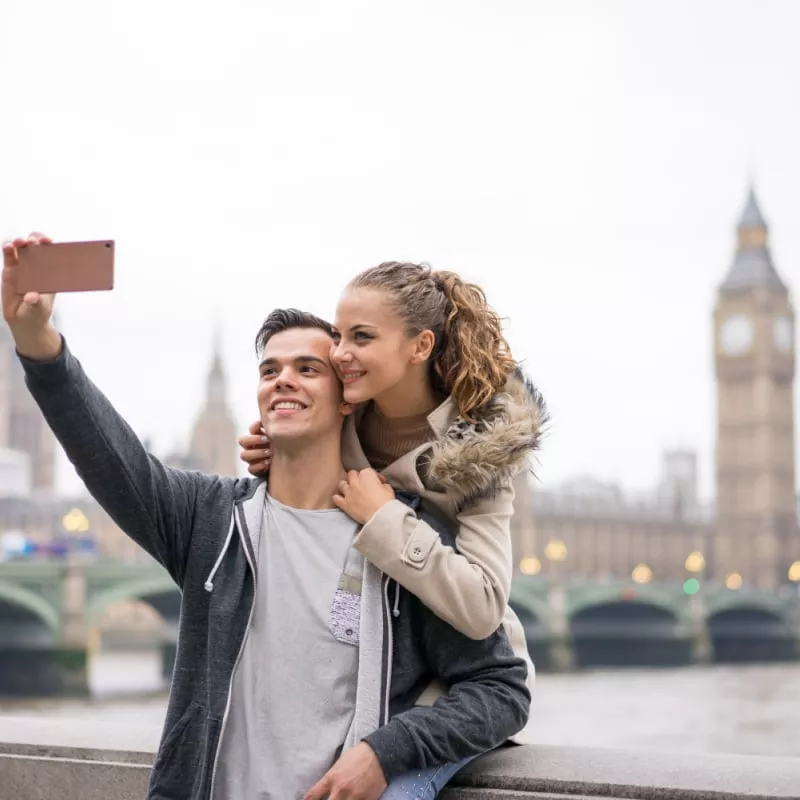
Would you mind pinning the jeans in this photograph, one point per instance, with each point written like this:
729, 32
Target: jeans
422, 784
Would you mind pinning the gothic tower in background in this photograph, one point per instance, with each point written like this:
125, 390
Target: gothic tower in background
213, 447
756, 520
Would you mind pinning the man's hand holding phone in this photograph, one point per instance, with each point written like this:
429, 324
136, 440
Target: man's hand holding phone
29, 315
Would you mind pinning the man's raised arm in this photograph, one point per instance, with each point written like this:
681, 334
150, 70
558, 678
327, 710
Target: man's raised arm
151, 503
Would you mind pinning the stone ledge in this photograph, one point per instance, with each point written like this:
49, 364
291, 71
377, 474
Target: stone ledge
462, 793
543, 770
69, 759
59, 737
37, 778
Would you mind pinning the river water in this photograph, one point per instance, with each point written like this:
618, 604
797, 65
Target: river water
720, 709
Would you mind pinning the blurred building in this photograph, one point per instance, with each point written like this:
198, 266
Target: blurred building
32, 516
588, 529
15, 474
593, 530
22, 427
213, 442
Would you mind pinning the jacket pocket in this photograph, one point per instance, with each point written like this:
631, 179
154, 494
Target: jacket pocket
175, 772
346, 616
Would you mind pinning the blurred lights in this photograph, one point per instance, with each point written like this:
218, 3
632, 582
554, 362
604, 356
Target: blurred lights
556, 550
642, 574
692, 586
734, 581
530, 565
75, 521
695, 562
794, 572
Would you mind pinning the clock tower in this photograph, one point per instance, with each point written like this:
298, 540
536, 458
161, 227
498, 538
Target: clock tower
756, 518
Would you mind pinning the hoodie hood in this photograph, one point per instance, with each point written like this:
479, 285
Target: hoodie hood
474, 461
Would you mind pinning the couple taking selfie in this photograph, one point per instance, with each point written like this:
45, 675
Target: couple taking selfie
345, 630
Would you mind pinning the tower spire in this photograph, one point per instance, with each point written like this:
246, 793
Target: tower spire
215, 388
752, 265
213, 443
751, 215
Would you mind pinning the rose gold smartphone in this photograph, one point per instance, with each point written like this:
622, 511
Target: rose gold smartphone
66, 267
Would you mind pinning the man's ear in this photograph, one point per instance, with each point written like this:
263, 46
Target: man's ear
423, 347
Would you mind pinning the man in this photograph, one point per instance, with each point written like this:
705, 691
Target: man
298, 663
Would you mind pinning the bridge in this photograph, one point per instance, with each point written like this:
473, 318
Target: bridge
572, 624
50, 613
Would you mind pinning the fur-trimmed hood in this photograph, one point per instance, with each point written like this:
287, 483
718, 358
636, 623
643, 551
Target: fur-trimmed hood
474, 461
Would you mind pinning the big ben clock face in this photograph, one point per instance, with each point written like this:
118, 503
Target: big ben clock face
736, 334
783, 334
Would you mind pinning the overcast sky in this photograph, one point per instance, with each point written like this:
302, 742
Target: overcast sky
584, 161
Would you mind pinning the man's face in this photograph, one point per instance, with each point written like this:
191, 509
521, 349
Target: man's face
299, 394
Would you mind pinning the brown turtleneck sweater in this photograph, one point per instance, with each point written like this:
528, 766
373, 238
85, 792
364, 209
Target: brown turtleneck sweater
385, 439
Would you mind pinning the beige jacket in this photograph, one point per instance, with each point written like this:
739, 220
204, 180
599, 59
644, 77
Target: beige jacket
467, 477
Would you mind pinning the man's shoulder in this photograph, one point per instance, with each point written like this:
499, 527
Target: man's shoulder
221, 493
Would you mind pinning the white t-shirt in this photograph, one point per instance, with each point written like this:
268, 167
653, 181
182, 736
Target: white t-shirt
294, 690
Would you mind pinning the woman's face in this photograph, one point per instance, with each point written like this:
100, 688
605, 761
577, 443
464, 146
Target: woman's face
372, 352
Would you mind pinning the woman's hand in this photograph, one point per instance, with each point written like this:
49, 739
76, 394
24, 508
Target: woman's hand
362, 494
256, 451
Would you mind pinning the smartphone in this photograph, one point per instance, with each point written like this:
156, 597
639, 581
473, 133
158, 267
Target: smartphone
66, 267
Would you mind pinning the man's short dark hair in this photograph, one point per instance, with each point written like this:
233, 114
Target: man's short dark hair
284, 319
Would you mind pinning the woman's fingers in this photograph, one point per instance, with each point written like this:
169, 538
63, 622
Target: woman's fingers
256, 456
255, 428
251, 442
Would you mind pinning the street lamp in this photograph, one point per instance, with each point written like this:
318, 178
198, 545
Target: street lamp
75, 521
642, 574
530, 565
734, 581
794, 572
695, 562
555, 550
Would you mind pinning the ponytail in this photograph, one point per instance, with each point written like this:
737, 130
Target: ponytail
474, 360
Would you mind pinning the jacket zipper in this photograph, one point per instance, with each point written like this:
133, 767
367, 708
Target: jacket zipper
387, 687
235, 663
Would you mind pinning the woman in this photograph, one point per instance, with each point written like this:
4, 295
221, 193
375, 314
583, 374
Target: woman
442, 411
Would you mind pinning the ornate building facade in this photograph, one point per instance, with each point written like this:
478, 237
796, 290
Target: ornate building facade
590, 530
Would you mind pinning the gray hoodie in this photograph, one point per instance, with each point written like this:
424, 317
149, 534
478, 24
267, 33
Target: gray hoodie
201, 529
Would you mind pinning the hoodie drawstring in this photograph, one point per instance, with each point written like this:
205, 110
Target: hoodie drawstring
209, 584
396, 609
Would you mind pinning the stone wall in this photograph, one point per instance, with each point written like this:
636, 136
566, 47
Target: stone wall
59, 759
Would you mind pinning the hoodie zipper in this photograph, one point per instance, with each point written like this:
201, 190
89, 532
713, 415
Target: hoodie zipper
390, 654
235, 663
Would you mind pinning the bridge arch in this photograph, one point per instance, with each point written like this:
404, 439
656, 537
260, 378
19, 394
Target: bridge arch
750, 627
616, 593
729, 601
619, 625
138, 589
37, 605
